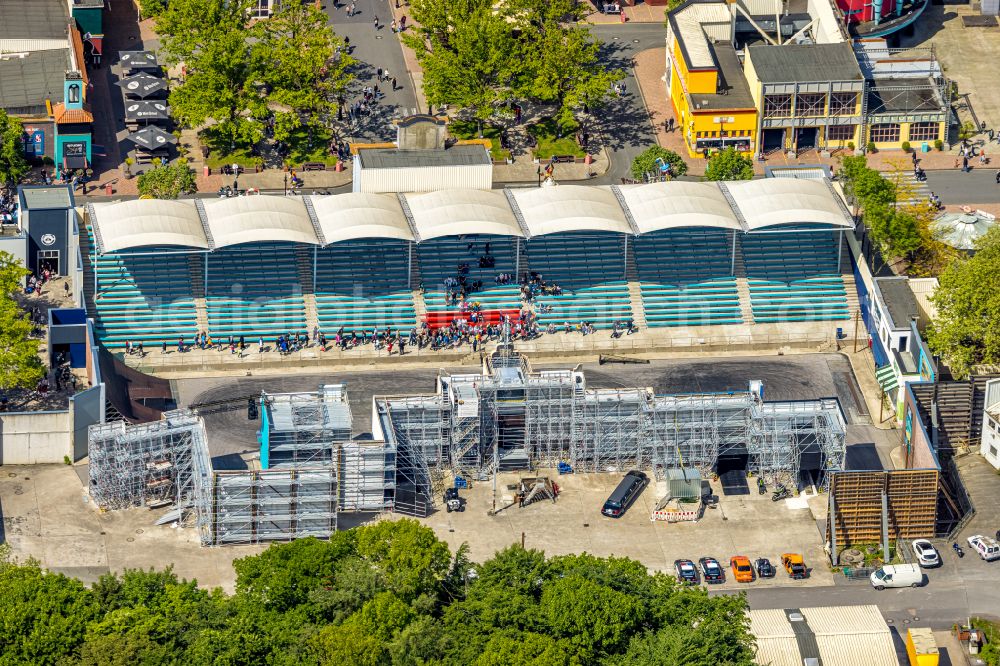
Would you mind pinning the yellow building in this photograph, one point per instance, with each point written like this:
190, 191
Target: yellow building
705, 82
810, 96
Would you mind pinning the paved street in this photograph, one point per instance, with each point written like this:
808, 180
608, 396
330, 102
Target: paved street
374, 49
954, 187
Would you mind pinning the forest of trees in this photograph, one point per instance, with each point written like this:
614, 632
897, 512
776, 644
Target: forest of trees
388, 593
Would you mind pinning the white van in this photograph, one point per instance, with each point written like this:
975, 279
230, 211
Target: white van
897, 575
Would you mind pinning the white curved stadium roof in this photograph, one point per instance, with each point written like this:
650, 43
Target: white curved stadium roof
258, 218
136, 223
677, 203
359, 215
457, 212
776, 201
550, 210
216, 223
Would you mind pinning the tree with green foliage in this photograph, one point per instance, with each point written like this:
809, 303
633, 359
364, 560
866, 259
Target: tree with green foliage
966, 330
729, 165
151, 8
304, 66
13, 166
387, 593
167, 182
645, 162
20, 366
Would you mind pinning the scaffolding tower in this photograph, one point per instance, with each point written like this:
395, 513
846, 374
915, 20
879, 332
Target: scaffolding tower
144, 465
300, 429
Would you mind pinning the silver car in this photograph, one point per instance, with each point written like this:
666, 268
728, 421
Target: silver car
927, 555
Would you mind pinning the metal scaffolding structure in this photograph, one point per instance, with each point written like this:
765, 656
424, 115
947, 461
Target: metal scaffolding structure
300, 429
509, 417
144, 465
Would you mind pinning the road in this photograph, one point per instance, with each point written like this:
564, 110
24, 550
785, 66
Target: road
979, 186
958, 589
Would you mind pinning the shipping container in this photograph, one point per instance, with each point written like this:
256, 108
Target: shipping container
921, 647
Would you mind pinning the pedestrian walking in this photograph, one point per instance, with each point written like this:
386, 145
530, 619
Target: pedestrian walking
378, 73
394, 83
394, 26
350, 10
998, 176
965, 164
402, 23
375, 20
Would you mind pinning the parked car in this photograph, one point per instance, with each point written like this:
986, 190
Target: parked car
686, 572
626, 492
927, 555
742, 569
711, 571
897, 575
794, 565
987, 547
764, 568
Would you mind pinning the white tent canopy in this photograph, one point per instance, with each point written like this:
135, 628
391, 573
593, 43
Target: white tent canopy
458, 212
142, 222
776, 201
550, 210
259, 219
357, 215
674, 204
741, 206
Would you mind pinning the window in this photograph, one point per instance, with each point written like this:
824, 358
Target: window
924, 131
777, 106
843, 104
992, 424
73, 93
840, 133
885, 133
902, 344
993, 451
262, 8
810, 105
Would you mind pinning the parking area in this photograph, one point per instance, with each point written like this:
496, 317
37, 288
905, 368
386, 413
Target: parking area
750, 525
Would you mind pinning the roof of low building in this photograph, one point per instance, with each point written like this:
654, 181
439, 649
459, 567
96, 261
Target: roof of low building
910, 95
733, 92
28, 81
62, 115
377, 158
899, 300
831, 634
46, 197
33, 19
801, 63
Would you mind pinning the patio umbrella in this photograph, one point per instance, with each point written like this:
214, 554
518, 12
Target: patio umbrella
132, 60
142, 85
152, 138
139, 110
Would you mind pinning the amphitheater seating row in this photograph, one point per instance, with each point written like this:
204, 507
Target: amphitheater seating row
439, 260
142, 298
590, 269
254, 290
794, 277
362, 285
685, 277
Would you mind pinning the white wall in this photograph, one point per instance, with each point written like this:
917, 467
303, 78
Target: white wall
990, 447
30, 438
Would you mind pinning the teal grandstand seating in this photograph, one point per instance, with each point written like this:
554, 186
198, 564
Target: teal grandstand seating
143, 298
590, 269
254, 290
686, 277
362, 284
440, 257
794, 277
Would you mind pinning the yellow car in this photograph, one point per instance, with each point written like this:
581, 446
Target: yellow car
742, 570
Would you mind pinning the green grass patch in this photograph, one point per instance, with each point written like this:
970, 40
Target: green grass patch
219, 155
991, 650
303, 148
469, 129
548, 145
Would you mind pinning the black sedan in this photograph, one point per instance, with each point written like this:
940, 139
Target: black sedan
686, 573
764, 568
711, 572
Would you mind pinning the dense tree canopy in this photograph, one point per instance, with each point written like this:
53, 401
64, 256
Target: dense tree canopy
645, 162
20, 366
729, 165
167, 182
966, 331
13, 166
389, 593
239, 72
478, 55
